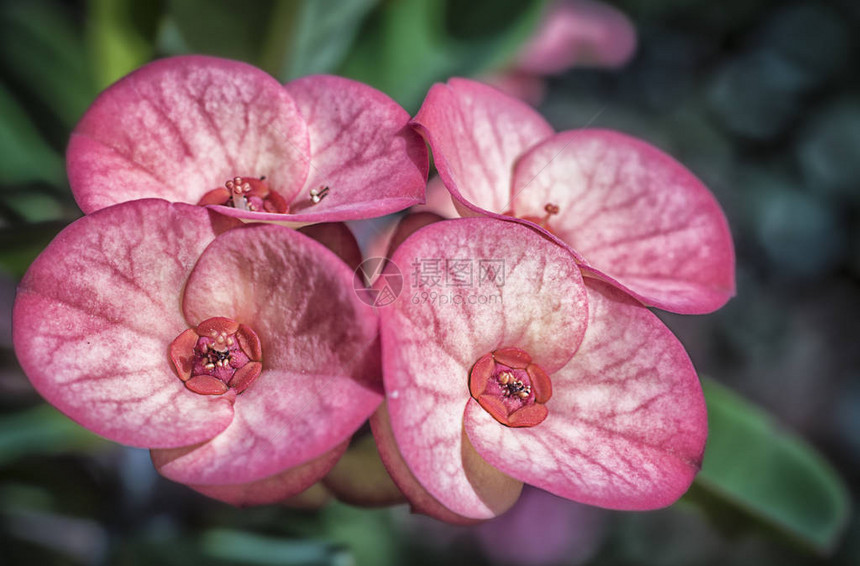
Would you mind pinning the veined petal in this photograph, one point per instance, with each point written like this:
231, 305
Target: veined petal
320, 377
182, 126
429, 346
627, 424
278, 487
476, 132
361, 149
637, 216
97, 312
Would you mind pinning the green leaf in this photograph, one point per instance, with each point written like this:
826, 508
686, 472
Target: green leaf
365, 532
322, 34
42, 430
409, 45
34, 206
769, 474
24, 156
44, 52
120, 34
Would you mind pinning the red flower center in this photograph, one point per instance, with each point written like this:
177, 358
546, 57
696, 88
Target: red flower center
217, 356
510, 387
247, 193
542, 221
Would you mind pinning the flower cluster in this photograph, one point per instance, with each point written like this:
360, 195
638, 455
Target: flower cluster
185, 313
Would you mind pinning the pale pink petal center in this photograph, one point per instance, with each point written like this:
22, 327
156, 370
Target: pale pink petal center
363, 158
627, 424
320, 363
524, 292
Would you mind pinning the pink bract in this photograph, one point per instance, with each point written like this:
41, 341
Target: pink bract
625, 423
578, 33
572, 33
327, 148
99, 310
629, 213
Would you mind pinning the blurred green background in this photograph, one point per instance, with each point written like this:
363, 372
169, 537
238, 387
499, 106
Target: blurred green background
760, 98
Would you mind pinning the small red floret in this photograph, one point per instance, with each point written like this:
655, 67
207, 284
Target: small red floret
181, 353
510, 387
512, 357
248, 193
206, 385
217, 356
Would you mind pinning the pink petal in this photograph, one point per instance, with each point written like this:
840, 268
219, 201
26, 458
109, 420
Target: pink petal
636, 215
360, 478
320, 376
180, 127
361, 147
421, 501
579, 33
429, 347
627, 424
476, 132
97, 312
275, 488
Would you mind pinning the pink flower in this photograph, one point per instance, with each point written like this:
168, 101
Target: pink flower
529, 374
216, 132
572, 33
240, 355
578, 33
629, 213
